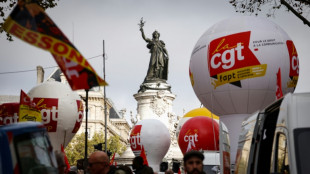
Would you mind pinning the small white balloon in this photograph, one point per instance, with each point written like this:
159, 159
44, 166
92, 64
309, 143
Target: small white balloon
154, 136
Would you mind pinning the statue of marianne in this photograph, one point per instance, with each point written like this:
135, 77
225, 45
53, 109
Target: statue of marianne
158, 67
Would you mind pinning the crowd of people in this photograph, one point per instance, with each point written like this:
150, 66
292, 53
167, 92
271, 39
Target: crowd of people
99, 163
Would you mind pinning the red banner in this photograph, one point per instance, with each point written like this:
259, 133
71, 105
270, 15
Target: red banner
27, 109
143, 155
112, 160
279, 92
30, 23
9, 113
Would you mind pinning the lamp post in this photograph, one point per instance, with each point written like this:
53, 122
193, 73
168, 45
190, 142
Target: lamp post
105, 103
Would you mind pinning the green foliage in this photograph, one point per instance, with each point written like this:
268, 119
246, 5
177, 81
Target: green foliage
6, 6
76, 148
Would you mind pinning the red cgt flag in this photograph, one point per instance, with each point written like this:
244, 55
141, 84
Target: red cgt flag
30, 23
112, 160
27, 109
143, 155
279, 92
65, 158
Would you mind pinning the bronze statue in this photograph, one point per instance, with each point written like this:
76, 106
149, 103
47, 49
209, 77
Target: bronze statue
158, 67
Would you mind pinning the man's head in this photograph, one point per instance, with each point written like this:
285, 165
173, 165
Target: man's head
98, 163
60, 162
193, 162
169, 171
137, 162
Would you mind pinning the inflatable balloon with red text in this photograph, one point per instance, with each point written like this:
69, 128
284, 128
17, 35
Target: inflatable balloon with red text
154, 136
240, 65
61, 110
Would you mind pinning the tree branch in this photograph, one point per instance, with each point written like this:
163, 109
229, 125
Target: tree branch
306, 22
304, 1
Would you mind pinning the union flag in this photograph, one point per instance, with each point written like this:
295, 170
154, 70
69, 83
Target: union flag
143, 155
30, 23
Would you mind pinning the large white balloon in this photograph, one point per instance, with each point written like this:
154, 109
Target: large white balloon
234, 66
61, 110
154, 136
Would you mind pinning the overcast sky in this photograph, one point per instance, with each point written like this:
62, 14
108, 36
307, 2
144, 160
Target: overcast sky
180, 23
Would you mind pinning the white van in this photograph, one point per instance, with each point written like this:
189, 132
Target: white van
211, 163
277, 139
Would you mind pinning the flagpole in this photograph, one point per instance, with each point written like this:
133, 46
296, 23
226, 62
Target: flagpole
86, 132
105, 104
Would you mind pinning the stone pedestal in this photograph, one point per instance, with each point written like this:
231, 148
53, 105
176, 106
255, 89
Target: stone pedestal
155, 102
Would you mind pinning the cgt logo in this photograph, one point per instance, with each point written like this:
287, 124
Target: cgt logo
80, 116
135, 138
191, 138
228, 58
294, 64
231, 60
49, 111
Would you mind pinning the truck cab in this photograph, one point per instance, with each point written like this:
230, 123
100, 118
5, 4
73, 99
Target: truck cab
276, 140
26, 149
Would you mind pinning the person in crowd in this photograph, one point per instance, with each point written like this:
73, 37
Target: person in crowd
99, 163
193, 162
61, 162
126, 169
169, 171
139, 168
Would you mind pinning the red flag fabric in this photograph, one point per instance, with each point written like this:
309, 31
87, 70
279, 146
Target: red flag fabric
30, 23
9, 113
279, 92
65, 158
179, 171
27, 109
112, 160
143, 155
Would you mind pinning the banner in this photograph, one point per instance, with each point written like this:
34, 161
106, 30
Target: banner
9, 113
112, 160
143, 155
65, 159
27, 109
279, 93
30, 23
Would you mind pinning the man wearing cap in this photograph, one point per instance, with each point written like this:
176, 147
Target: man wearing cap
193, 162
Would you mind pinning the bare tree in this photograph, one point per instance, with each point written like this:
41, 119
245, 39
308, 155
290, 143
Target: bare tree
300, 8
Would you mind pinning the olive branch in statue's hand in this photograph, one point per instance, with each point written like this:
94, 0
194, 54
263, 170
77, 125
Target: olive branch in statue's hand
141, 24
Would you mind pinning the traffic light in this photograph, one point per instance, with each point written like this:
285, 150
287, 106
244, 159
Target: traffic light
109, 153
98, 146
